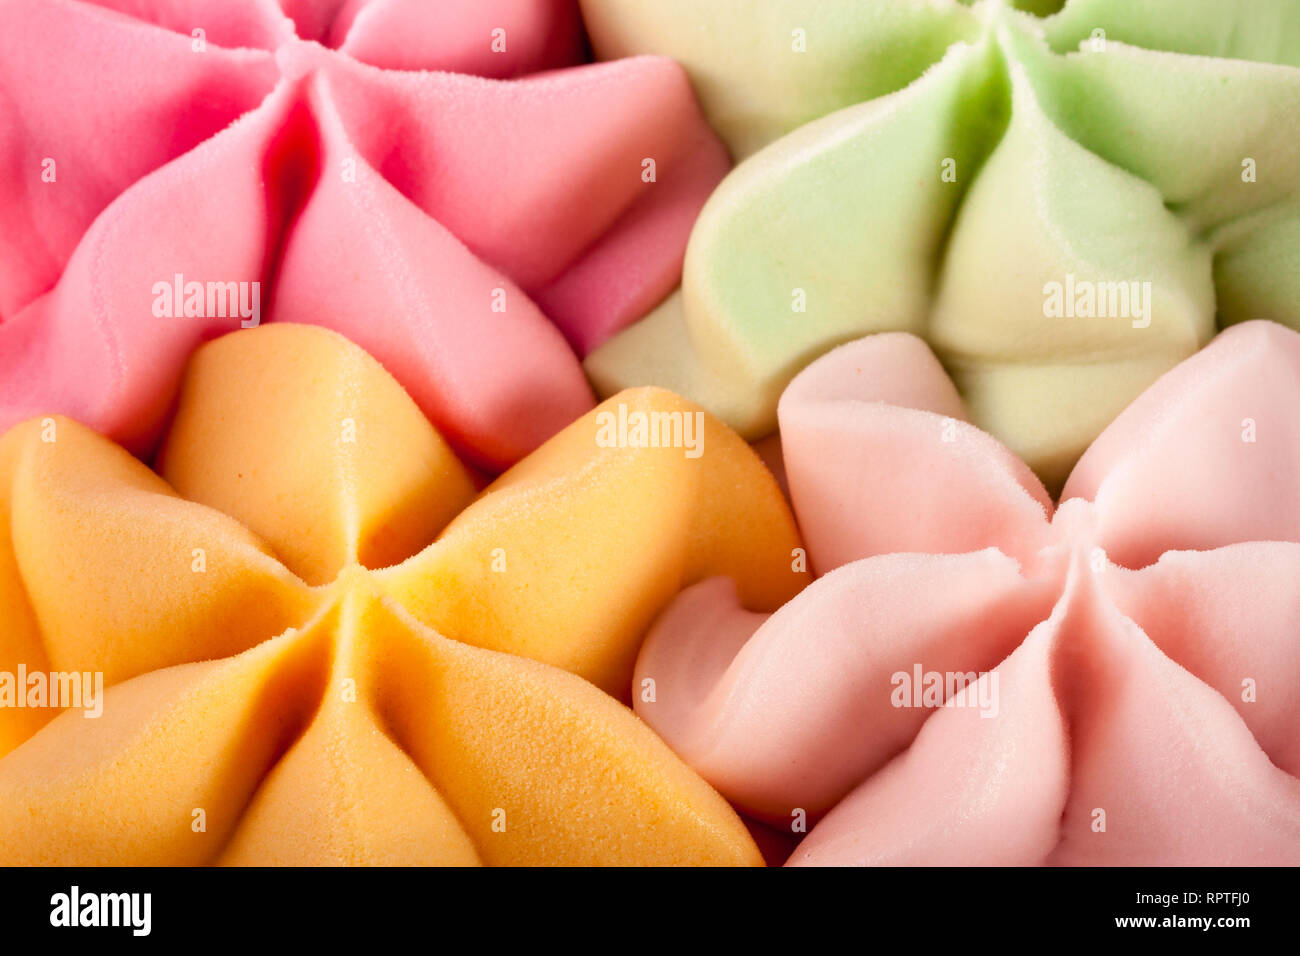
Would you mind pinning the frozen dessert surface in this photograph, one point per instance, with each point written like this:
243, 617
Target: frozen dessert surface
319, 644
1063, 216
980, 676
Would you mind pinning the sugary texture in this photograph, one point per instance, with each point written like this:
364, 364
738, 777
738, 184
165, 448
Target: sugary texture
320, 646
902, 187
741, 59
382, 502
469, 232
1118, 678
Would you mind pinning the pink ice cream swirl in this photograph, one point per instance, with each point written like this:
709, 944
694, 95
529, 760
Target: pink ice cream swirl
437, 181
977, 677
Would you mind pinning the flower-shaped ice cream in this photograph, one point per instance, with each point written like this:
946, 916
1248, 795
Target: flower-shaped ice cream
1062, 207
979, 677
173, 171
320, 646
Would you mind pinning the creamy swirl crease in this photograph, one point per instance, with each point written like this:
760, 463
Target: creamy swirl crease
1132, 652
936, 168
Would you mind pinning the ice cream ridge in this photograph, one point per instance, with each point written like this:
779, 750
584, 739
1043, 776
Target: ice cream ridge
446, 184
1063, 206
982, 676
319, 644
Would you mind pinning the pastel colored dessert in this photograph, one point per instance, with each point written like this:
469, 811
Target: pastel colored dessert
978, 676
319, 645
177, 170
1063, 207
